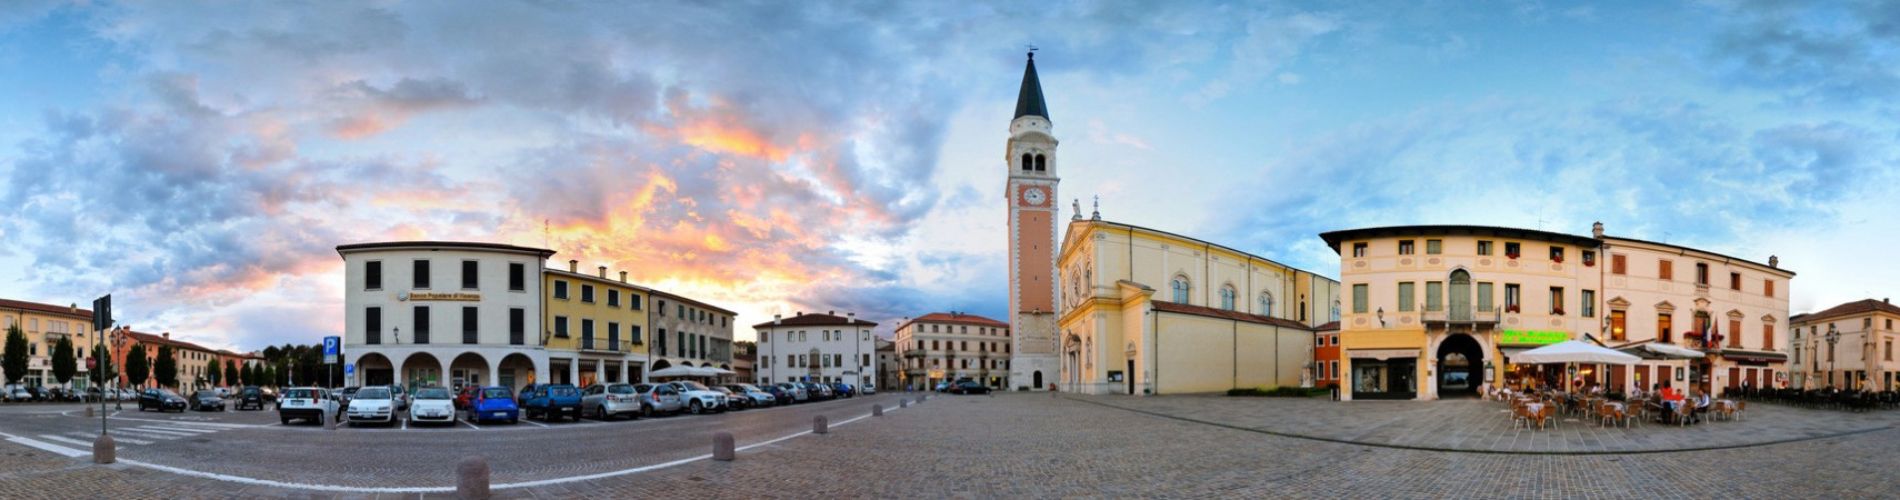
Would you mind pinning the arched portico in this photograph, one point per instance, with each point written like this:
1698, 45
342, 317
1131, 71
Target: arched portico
420, 369
470, 368
373, 368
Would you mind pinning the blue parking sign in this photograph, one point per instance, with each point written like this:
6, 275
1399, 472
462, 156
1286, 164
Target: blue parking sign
349, 369
330, 347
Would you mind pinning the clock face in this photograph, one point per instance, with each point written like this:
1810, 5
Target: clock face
1035, 196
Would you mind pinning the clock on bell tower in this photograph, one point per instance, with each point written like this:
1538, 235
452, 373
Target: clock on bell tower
1031, 192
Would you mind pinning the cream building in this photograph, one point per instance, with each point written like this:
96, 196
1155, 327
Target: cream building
1435, 311
815, 347
689, 332
1860, 355
44, 325
941, 347
1152, 312
443, 313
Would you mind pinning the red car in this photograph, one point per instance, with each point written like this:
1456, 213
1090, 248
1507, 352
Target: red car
467, 394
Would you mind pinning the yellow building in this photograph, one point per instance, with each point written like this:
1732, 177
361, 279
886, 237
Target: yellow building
596, 327
1222, 318
44, 325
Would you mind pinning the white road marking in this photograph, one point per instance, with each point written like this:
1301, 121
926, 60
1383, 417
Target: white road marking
180, 429
163, 434
524, 420
67, 440
205, 424
49, 447
114, 437
470, 424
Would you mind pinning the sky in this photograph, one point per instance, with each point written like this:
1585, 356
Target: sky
201, 162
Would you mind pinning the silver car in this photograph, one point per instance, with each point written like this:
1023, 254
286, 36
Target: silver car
658, 398
610, 400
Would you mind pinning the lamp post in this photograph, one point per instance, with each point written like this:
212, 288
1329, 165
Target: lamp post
1833, 335
1381, 313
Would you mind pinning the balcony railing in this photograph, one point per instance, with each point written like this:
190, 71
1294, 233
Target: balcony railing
1463, 315
607, 345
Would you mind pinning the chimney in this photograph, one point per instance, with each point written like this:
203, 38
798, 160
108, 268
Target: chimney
168, 335
1596, 230
852, 318
573, 266
623, 276
776, 318
603, 272
800, 313
1774, 262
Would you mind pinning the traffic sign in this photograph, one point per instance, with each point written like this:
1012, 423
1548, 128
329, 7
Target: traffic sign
330, 347
349, 369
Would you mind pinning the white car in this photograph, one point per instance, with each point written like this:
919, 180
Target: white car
610, 400
375, 404
759, 397
432, 405
699, 398
308, 403
868, 389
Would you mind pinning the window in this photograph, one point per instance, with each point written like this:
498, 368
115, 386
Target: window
1557, 300
1511, 298
471, 275
517, 276
1768, 336
1557, 254
1619, 264
1434, 295
587, 333
560, 326
1768, 287
1589, 303
1484, 297
560, 289
1226, 300
1434, 247
1663, 322
613, 298
1889, 351
633, 302
1180, 286
1358, 250
1484, 247
1665, 270
1618, 326
1405, 247
1589, 258
1701, 274
421, 274
373, 275
1734, 333
659, 341
1333, 339
1406, 296
517, 326
1735, 281
659, 307
373, 325
468, 325
422, 325
1511, 249
587, 293
1334, 365
1359, 298
1319, 341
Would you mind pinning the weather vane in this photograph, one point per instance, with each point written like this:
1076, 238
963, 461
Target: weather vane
1032, 50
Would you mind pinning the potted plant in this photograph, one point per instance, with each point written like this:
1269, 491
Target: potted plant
1559, 311
1513, 308
1559, 258
1510, 255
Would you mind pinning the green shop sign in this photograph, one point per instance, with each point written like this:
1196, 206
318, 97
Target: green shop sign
1533, 337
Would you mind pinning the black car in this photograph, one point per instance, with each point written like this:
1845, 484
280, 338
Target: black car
969, 387
161, 400
39, 393
207, 400
250, 397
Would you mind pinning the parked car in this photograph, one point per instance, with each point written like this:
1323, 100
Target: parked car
605, 401
780, 396
374, 404
39, 393
733, 400
161, 400
206, 400
551, 401
969, 387
819, 392
699, 398
868, 388
432, 405
798, 393
222, 392
757, 398
658, 398
250, 397
269, 394
401, 396
308, 403
465, 395
493, 403
343, 397
844, 390
943, 386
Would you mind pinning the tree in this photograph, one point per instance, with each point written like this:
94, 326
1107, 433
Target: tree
166, 368
103, 372
212, 373
13, 362
137, 368
231, 374
270, 376
64, 367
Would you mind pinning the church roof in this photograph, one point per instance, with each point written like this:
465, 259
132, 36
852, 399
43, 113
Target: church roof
1029, 99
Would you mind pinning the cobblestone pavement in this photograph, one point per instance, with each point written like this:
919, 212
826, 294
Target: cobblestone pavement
1475, 425
1033, 445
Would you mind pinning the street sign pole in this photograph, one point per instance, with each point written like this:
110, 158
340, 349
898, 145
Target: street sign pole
101, 321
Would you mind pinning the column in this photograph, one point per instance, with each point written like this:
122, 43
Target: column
494, 372
600, 369
623, 373
443, 377
574, 370
397, 376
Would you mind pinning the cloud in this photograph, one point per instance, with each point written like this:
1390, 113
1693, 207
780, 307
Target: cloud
1818, 54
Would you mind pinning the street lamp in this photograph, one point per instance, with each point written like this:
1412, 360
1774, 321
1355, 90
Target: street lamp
1381, 313
1833, 335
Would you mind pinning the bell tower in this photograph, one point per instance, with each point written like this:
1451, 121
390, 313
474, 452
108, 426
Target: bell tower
1031, 193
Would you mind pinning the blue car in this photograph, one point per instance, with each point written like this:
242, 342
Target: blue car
551, 401
493, 403
844, 390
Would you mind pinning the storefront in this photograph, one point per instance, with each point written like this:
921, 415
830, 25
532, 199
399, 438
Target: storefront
1521, 376
1384, 373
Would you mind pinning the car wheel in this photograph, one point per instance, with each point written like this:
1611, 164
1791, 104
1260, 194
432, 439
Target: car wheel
696, 408
646, 411
514, 420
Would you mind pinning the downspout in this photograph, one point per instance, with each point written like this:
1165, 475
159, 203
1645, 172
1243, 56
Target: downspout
1234, 325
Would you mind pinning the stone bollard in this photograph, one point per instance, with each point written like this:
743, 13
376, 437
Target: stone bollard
903, 402
471, 478
819, 425
923, 397
89, 411
104, 451
877, 410
722, 446
329, 420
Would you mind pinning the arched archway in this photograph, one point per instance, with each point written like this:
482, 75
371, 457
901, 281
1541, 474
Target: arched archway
469, 369
1037, 378
515, 371
375, 369
419, 370
661, 365
1460, 366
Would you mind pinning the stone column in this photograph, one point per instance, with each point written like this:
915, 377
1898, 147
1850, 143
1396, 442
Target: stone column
623, 373
574, 370
494, 372
600, 369
395, 367
443, 377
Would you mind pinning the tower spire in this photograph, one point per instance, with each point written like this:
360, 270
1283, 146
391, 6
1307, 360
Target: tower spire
1029, 99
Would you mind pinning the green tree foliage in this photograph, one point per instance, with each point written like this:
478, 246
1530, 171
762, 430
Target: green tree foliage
166, 367
13, 362
213, 374
64, 366
137, 367
104, 371
231, 376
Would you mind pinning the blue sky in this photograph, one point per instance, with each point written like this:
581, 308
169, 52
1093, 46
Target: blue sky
202, 161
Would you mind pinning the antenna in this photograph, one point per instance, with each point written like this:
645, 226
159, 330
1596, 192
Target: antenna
547, 237
1032, 50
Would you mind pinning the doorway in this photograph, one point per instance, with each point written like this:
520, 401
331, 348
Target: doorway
1130, 376
1038, 379
1460, 296
1460, 366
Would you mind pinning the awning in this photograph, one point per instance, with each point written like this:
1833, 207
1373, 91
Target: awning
1657, 350
1572, 351
1382, 354
1756, 356
1512, 352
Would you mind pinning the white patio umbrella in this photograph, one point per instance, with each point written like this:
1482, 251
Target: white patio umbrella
1571, 351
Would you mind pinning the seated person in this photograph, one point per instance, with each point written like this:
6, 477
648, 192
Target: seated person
1702, 404
1671, 398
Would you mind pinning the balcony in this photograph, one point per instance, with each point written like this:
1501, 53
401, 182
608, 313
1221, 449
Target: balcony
608, 346
1462, 315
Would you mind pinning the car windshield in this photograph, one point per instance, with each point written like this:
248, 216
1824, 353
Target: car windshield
372, 393
432, 393
563, 392
642, 389
620, 389
692, 386
301, 394
495, 392
167, 393
207, 393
